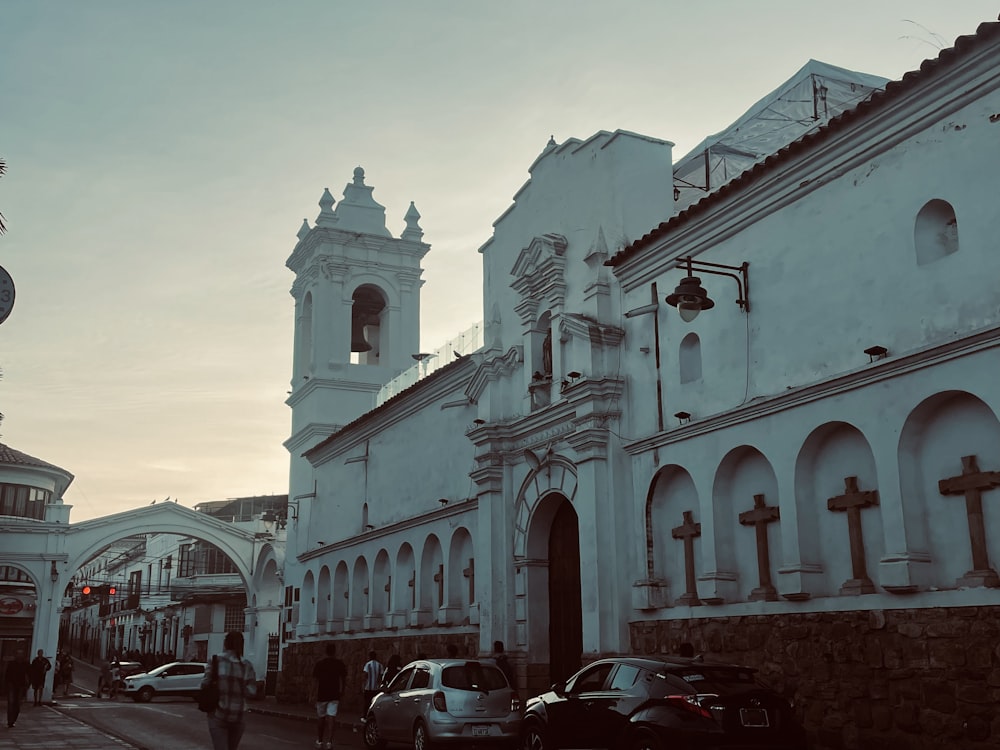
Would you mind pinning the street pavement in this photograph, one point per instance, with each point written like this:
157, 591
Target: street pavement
47, 727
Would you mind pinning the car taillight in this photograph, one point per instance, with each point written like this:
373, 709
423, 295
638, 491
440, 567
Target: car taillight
691, 703
515, 703
439, 702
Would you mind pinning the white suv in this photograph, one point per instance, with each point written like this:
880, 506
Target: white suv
177, 678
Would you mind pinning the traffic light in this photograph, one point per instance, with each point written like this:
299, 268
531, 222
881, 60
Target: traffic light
112, 590
86, 591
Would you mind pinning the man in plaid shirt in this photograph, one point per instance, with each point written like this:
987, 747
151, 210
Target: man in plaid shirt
236, 682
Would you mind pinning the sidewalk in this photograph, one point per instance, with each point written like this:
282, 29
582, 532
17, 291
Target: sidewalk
45, 728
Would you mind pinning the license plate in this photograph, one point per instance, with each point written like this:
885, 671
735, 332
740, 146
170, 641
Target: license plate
480, 731
753, 717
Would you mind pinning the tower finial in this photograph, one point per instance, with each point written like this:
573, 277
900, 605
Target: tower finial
359, 176
552, 141
327, 216
413, 230
303, 230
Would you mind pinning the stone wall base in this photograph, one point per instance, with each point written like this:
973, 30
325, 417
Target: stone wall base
295, 682
906, 679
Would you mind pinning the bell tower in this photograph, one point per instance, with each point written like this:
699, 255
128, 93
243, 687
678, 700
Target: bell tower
357, 313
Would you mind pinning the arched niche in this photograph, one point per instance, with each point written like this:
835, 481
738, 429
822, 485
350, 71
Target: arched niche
324, 595
359, 592
935, 232
341, 592
743, 474
935, 436
831, 453
672, 493
461, 573
381, 584
689, 358
431, 594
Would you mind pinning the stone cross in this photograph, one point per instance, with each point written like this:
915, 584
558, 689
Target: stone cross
971, 483
851, 502
688, 531
470, 573
412, 583
439, 580
759, 517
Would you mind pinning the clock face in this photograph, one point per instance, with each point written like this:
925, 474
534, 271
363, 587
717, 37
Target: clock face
6, 294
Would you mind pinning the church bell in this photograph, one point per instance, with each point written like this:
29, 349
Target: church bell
358, 341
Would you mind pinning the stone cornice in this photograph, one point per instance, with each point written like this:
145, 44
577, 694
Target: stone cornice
878, 372
415, 522
600, 334
493, 369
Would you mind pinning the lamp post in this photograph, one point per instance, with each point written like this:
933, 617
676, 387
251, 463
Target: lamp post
690, 297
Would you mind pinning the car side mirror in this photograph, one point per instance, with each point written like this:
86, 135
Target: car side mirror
559, 689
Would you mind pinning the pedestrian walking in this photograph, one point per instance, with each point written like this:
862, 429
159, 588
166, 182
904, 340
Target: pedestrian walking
393, 668
330, 675
373, 672
66, 673
16, 679
36, 673
500, 657
236, 682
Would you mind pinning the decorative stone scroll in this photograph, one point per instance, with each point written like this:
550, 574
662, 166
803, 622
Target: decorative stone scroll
971, 483
851, 502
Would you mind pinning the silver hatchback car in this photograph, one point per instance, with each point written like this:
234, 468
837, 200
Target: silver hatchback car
439, 701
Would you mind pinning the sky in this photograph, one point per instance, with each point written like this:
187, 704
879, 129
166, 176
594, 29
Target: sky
162, 155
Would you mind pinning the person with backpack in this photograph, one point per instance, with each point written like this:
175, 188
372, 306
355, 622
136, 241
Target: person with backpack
235, 681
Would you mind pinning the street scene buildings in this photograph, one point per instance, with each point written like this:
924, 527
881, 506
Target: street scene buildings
754, 412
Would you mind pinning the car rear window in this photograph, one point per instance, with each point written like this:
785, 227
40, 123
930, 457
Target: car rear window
717, 680
473, 676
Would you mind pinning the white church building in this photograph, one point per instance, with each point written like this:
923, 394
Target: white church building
764, 422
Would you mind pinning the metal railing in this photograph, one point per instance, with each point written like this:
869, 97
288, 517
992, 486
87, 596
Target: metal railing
468, 341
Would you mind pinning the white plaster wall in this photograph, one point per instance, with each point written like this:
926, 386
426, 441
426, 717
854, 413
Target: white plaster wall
619, 183
835, 272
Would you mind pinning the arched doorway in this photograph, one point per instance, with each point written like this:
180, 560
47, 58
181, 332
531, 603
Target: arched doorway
565, 614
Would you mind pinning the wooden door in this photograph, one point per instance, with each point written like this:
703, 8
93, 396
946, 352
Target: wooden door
565, 616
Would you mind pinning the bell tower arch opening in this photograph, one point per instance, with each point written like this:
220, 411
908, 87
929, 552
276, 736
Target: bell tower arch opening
369, 325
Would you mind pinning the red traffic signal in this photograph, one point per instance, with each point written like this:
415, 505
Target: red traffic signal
112, 590
86, 590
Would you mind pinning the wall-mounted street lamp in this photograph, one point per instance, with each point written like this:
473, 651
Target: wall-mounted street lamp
54, 572
690, 298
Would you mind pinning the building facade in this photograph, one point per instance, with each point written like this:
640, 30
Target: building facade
800, 480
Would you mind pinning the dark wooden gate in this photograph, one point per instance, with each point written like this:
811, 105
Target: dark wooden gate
565, 615
271, 678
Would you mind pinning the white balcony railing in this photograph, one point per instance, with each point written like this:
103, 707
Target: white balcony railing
466, 342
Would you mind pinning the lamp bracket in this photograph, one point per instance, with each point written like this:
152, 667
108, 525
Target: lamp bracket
721, 269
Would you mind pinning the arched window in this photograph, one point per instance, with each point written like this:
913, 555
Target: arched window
935, 232
690, 358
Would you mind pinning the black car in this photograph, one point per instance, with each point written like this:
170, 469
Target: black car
639, 703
